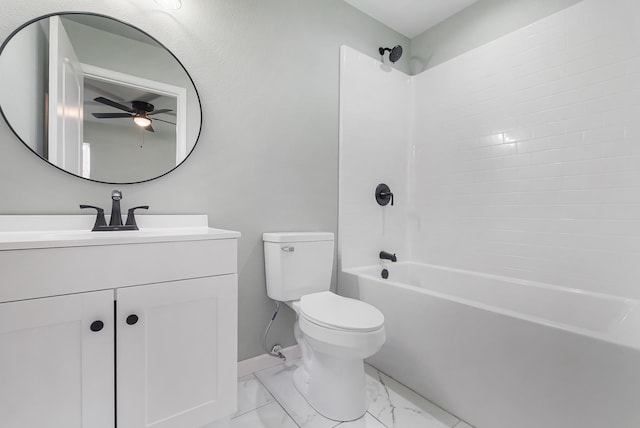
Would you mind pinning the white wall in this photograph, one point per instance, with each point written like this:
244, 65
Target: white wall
374, 149
267, 159
528, 153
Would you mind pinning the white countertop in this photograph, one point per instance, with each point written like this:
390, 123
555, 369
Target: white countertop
42, 231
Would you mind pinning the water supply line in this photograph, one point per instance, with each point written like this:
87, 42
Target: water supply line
276, 350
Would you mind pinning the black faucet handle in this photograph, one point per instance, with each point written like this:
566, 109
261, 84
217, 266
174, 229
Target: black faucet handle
100, 220
131, 218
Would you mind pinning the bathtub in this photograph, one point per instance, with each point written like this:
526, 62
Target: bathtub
505, 353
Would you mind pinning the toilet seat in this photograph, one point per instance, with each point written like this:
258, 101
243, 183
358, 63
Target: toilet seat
329, 310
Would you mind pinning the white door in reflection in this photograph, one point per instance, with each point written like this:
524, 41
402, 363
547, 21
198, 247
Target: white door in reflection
65, 101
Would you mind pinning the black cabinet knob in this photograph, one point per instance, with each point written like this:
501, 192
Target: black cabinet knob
132, 319
96, 326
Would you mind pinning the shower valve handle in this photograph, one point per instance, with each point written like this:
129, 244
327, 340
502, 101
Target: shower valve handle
384, 195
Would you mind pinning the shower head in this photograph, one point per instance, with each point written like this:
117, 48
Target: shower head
394, 54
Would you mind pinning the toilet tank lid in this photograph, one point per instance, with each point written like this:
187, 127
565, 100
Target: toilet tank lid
297, 236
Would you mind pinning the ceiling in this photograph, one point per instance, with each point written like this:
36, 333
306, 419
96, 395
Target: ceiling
410, 17
112, 26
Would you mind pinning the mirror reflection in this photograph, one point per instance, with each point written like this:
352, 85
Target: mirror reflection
98, 98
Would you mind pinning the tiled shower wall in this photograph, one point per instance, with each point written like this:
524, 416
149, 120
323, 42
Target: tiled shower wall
527, 153
374, 136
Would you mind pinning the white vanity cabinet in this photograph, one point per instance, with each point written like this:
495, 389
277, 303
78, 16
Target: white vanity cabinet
127, 329
173, 367
55, 371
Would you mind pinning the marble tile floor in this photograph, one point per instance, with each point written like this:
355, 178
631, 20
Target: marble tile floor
268, 399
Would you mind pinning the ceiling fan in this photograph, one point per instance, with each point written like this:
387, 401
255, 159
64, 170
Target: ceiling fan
139, 112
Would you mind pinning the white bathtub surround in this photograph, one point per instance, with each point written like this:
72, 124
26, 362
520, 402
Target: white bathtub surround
601, 316
373, 149
491, 350
521, 160
392, 405
528, 153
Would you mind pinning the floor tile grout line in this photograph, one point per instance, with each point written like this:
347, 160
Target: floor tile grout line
277, 401
254, 377
338, 424
294, 421
287, 412
421, 396
259, 407
374, 417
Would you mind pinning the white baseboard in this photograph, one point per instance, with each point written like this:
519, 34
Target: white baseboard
264, 361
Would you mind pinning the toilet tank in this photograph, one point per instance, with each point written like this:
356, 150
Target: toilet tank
297, 263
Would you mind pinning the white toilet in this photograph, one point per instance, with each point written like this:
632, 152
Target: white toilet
335, 333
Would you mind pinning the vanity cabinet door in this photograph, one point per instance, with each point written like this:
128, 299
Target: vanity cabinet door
176, 353
56, 362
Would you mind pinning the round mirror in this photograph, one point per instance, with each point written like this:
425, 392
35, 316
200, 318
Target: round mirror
98, 98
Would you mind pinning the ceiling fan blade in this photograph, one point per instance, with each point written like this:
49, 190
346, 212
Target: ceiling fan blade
111, 103
149, 128
160, 120
110, 115
163, 110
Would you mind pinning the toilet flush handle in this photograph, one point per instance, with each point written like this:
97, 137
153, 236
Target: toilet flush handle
288, 249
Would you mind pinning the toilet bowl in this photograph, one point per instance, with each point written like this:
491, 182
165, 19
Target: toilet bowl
335, 333
334, 344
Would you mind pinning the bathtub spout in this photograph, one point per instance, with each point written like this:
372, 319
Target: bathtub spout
388, 256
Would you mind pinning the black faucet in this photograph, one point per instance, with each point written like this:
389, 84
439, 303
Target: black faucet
388, 256
115, 223
116, 215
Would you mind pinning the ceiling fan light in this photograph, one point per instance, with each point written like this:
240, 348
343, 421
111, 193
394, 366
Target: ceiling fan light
141, 121
169, 4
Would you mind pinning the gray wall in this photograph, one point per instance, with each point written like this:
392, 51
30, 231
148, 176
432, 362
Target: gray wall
267, 160
475, 26
23, 84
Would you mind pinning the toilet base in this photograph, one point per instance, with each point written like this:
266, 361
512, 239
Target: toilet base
301, 381
334, 387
